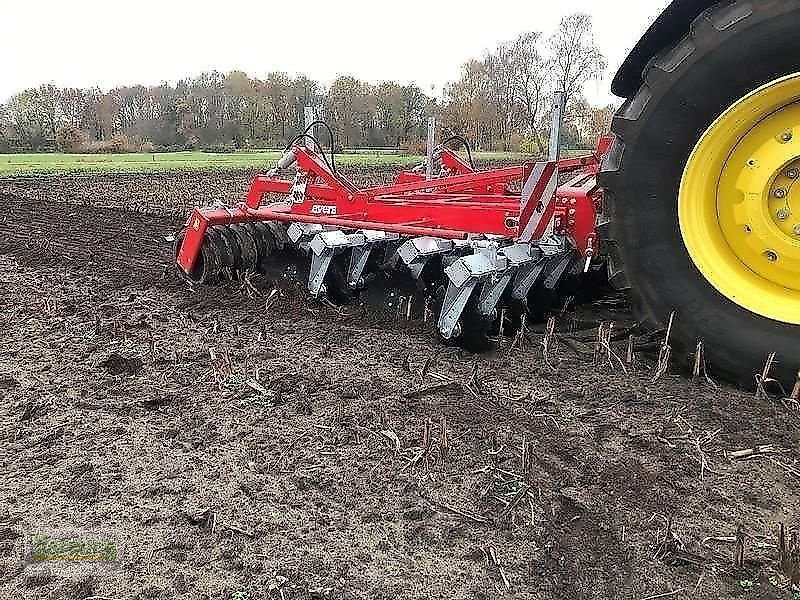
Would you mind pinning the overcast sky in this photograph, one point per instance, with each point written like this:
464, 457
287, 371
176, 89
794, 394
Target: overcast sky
108, 43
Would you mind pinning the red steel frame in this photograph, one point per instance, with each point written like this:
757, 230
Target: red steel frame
462, 203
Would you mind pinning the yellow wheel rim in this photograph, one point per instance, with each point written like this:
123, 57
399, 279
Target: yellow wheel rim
739, 202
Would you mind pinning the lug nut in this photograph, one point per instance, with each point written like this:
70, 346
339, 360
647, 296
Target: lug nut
796, 229
771, 255
783, 214
780, 193
787, 136
792, 173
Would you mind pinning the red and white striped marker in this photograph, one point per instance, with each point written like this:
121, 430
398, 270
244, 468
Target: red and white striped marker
538, 200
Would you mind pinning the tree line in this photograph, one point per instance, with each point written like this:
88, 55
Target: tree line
502, 101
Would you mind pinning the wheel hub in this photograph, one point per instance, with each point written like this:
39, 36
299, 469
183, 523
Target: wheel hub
739, 204
784, 201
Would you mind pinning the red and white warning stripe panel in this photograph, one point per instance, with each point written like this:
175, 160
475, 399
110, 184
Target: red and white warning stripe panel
538, 200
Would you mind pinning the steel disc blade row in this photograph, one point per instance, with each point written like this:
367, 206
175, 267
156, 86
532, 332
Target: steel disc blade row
228, 251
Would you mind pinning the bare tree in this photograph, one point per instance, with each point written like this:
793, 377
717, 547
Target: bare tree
414, 111
29, 118
531, 81
575, 57
507, 95
470, 111
500, 89
73, 105
5, 119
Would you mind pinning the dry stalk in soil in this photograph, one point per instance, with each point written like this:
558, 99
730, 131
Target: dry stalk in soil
273, 296
494, 447
340, 415
549, 337
427, 443
665, 353
474, 382
795, 396
502, 330
630, 356
515, 501
603, 352
789, 555
491, 556
527, 460
758, 451
427, 366
565, 307
388, 433
699, 369
444, 441
427, 437
698, 360
738, 556
221, 365
246, 284
519, 339
763, 378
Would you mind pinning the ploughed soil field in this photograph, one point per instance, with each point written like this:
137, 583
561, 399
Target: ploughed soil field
239, 443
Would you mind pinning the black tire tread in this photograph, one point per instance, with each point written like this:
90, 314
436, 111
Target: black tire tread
707, 31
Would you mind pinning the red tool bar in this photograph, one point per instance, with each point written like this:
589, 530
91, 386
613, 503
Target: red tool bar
453, 207
452, 184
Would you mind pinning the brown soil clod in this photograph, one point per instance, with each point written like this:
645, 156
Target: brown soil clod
7, 382
204, 519
117, 364
30, 411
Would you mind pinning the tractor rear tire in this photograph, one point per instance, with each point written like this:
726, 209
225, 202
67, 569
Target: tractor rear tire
732, 49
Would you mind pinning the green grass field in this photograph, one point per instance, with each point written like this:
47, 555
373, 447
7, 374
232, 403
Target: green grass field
49, 164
